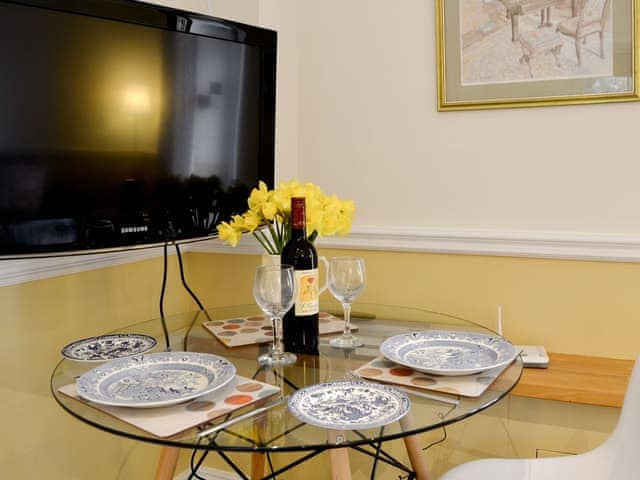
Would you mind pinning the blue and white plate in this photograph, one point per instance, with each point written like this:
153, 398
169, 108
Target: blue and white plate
108, 347
155, 380
348, 405
444, 352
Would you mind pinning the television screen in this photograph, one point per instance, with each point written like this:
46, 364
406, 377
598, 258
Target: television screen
125, 124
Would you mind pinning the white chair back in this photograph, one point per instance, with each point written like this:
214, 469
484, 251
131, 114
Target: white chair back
618, 458
623, 445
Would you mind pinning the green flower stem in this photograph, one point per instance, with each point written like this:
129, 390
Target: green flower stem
276, 237
264, 241
278, 231
285, 232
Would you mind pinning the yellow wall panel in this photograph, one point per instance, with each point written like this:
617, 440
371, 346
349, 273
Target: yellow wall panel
38, 319
569, 306
578, 307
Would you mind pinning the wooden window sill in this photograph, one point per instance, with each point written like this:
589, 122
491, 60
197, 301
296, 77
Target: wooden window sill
577, 379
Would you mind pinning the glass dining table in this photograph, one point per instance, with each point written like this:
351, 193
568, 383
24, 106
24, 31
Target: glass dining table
268, 427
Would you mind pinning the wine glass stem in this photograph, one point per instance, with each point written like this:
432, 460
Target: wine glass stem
276, 349
346, 308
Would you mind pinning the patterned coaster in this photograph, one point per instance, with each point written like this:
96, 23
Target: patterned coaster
384, 370
168, 421
234, 332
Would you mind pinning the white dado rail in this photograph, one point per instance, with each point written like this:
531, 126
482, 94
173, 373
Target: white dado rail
560, 245
535, 244
26, 270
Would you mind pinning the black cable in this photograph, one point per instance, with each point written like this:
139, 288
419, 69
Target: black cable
432, 444
184, 282
185, 340
195, 466
162, 291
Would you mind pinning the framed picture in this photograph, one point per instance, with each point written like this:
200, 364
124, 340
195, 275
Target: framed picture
525, 53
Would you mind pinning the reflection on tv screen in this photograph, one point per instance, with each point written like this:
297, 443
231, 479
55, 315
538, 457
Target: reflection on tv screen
115, 133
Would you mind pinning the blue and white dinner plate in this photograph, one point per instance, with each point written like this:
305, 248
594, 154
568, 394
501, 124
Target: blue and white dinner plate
156, 379
349, 405
445, 352
108, 347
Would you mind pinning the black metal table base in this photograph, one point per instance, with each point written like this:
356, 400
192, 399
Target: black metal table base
374, 450
368, 447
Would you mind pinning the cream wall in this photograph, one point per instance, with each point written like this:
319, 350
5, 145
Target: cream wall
369, 130
282, 16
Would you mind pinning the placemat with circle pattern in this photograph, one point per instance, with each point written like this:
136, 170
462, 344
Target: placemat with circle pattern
234, 332
168, 421
384, 370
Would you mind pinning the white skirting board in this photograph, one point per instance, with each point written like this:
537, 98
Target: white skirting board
209, 474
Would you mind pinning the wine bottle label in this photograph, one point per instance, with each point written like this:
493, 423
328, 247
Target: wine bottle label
307, 300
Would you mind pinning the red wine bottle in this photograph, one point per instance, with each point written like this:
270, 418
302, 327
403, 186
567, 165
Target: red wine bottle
300, 324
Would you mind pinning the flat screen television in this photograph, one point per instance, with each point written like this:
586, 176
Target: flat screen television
125, 124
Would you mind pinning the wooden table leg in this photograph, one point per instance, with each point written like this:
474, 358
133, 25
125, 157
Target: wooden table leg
258, 459
257, 466
167, 463
418, 462
413, 445
339, 457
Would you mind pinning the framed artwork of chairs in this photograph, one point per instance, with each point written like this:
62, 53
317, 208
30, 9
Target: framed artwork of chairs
524, 53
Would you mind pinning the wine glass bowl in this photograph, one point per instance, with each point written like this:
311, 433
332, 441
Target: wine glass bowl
274, 291
346, 279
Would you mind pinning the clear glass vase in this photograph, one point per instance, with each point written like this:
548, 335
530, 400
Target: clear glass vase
270, 259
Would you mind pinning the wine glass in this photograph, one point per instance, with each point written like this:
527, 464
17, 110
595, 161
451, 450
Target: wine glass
274, 291
347, 277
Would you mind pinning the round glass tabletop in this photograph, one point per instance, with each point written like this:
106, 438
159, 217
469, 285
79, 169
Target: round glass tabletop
222, 331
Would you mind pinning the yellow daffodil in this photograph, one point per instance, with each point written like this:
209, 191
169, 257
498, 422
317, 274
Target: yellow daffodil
229, 234
258, 196
269, 215
251, 220
269, 210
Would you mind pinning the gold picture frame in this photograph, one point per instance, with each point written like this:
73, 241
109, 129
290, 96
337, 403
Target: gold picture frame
527, 53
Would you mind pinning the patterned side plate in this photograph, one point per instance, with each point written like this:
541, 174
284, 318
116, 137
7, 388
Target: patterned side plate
444, 352
155, 380
349, 405
108, 347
